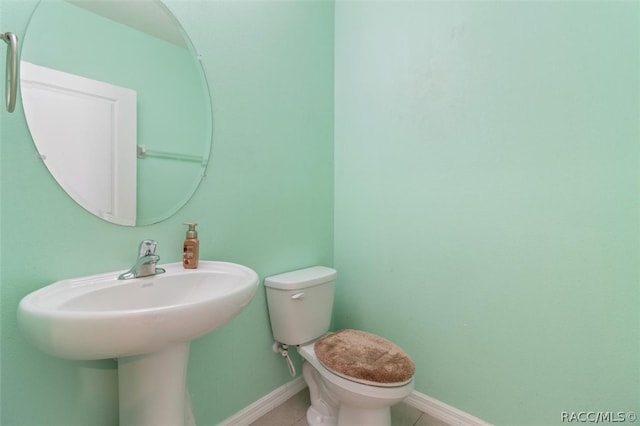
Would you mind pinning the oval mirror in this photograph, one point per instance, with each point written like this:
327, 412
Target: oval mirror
118, 106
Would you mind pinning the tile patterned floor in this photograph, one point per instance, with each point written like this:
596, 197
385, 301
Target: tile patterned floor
293, 413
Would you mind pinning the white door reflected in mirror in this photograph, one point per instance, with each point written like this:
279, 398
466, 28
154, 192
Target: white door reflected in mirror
86, 131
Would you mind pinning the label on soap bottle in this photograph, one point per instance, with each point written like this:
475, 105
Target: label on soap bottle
189, 259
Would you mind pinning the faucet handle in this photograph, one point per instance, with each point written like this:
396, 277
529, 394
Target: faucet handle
147, 248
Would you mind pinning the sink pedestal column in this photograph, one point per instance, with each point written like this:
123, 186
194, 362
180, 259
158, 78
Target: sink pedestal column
152, 387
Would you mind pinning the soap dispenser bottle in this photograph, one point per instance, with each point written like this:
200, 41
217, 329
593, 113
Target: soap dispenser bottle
191, 248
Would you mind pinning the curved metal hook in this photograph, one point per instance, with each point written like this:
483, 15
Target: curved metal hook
11, 86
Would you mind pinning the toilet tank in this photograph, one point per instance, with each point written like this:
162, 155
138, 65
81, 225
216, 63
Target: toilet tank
300, 304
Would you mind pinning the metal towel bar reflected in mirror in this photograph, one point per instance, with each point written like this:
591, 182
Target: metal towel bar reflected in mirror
11, 86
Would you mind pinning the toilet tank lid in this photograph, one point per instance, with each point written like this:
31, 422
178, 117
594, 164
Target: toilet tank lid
301, 278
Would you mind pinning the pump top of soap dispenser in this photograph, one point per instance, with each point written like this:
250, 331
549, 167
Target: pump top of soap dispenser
192, 233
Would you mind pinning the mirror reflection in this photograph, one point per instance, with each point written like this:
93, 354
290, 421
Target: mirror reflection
117, 105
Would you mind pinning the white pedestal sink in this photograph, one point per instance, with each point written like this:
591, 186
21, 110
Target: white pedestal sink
146, 323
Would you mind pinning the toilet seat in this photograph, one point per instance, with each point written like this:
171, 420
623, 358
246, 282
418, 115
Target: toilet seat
364, 358
373, 391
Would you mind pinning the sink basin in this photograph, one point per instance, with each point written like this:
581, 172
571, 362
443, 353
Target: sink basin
146, 323
99, 316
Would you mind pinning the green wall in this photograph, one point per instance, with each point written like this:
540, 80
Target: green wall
487, 182
267, 203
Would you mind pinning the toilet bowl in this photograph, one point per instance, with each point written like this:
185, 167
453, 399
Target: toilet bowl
342, 391
336, 400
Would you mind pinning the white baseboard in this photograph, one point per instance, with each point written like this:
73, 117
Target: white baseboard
438, 409
265, 404
448, 414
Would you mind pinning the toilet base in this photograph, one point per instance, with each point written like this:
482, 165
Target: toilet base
315, 418
356, 416
351, 416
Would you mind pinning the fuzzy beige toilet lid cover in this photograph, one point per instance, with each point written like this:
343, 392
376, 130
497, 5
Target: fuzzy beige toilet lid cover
365, 357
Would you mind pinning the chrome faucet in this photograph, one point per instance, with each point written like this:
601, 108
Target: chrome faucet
146, 263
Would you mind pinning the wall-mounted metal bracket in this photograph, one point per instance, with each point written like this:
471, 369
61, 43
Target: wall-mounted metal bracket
11, 86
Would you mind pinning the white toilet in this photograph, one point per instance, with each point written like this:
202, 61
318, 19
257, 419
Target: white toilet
347, 387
